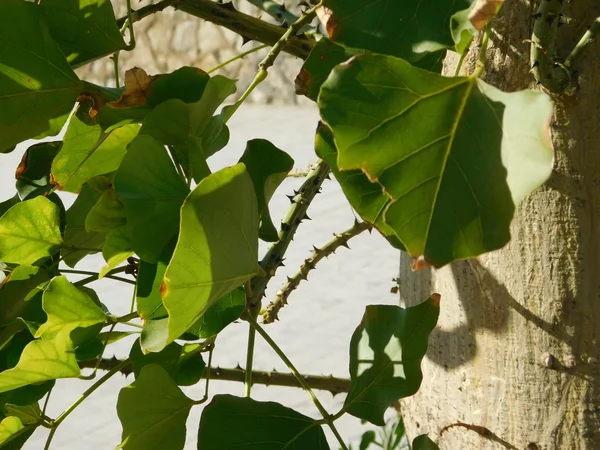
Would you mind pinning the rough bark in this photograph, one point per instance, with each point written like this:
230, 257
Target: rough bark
515, 359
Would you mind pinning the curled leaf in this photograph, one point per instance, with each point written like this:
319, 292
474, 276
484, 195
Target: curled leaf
483, 11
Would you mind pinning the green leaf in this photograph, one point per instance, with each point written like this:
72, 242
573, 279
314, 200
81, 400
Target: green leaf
184, 364
224, 311
68, 308
268, 166
7, 204
321, 60
423, 442
367, 439
87, 152
155, 335
409, 29
28, 414
385, 357
114, 336
38, 88
30, 231
10, 426
152, 194
232, 422
217, 250
149, 281
84, 29
117, 249
463, 30
367, 199
453, 176
33, 174
76, 236
42, 360
153, 412
17, 291
107, 214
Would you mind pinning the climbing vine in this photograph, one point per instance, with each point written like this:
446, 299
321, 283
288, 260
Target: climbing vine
434, 163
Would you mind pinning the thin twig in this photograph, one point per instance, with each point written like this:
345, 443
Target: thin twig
319, 382
339, 240
574, 59
301, 200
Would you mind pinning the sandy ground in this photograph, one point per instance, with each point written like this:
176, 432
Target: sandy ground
315, 327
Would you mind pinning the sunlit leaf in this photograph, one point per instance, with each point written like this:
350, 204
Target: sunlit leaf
385, 357
17, 290
42, 360
152, 194
268, 166
38, 88
87, 151
217, 250
117, 249
68, 308
84, 29
153, 412
10, 426
232, 422
454, 176
114, 336
30, 231
33, 174
224, 311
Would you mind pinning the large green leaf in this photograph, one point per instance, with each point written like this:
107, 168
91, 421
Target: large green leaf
87, 152
243, 423
76, 236
152, 194
453, 153
107, 214
33, 174
217, 250
184, 364
68, 308
367, 198
385, 357
30, 231
84, 29
38, 88
268, 166
409, 29
224, 311
17, 290
42, 360
153, 411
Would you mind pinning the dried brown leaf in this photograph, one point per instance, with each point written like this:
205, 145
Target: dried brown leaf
138, 85
483, 11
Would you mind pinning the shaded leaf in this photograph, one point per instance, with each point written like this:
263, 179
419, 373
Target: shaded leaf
30, 231
107, 214
385, 357
367, 198
28, 414
423, 442
233, 422
152, 194
408, 29
16, 291
33, 173
268, 166
68, 308
84, 29
224, 311
42, 360
217, 250
38, 88
76, 236
454, 176
153, 412
114, 336
367, 439
463, 31
87, 151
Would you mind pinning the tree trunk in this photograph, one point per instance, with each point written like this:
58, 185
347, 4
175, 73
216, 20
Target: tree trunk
514, 362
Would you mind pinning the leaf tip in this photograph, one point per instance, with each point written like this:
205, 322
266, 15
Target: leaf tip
436, 298
420, 263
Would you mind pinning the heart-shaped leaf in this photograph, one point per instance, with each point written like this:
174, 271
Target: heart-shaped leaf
38, 88
152, 193
385, 357
453, 176
85, 29
30, 231
268, 166
233, 422
153, 411
217, 250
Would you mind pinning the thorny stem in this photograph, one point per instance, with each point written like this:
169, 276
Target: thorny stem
235, 58
267, 62
275, 10
249, 360
340, 240
323, 383
55, 423
296, 214
326, 416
